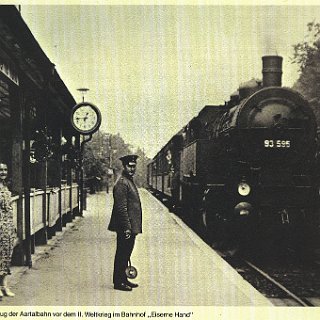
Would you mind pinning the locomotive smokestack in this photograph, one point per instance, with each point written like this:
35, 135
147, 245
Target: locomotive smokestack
272, 71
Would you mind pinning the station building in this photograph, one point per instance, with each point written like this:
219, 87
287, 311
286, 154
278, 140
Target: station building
37, 140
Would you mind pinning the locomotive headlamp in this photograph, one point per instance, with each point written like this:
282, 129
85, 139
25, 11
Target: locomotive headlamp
243, 189
243, 209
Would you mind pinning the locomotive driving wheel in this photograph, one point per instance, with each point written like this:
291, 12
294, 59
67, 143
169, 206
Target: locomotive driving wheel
210, 225
215, 226
206, 227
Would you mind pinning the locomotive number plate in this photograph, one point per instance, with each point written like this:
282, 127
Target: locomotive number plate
277, 143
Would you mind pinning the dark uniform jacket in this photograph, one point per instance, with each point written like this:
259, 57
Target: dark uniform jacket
126, 212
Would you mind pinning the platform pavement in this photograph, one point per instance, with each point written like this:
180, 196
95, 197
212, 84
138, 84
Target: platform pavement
175, 267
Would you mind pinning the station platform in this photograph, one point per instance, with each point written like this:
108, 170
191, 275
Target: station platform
175, 267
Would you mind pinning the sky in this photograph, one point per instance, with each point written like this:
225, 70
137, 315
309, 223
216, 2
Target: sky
152, 68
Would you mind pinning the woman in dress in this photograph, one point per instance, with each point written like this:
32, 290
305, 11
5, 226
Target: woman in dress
7, 232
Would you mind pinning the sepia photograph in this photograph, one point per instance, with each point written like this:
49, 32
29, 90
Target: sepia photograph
159, 160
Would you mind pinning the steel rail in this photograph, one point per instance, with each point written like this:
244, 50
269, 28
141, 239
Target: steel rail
279, 285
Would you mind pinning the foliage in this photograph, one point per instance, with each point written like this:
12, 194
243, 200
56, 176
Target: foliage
42, 147
101, 159
307, 57
306, 51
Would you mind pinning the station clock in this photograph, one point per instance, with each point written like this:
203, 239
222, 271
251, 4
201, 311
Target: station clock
85, 118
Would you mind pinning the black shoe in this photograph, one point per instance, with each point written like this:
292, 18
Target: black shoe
122, 287
132, 285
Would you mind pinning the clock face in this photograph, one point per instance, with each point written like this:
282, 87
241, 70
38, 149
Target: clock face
85, 118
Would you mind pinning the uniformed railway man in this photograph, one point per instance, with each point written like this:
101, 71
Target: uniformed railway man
126, 220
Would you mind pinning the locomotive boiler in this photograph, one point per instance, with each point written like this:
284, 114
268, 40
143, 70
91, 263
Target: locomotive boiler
246, 167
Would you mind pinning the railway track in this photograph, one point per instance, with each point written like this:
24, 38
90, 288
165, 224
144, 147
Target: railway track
294, 298
285, 284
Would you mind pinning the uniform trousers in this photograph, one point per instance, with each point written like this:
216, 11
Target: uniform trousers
123, 254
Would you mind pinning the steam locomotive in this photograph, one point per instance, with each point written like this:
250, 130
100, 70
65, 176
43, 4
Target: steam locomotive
246, 167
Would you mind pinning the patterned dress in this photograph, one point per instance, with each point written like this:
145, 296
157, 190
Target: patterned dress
7, 231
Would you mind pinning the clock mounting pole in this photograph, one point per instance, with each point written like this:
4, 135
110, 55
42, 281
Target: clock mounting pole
86, 120
83, 91
82, 195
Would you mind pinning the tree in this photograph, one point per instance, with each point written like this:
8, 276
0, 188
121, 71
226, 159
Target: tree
307, 57
141, 173
101, 158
